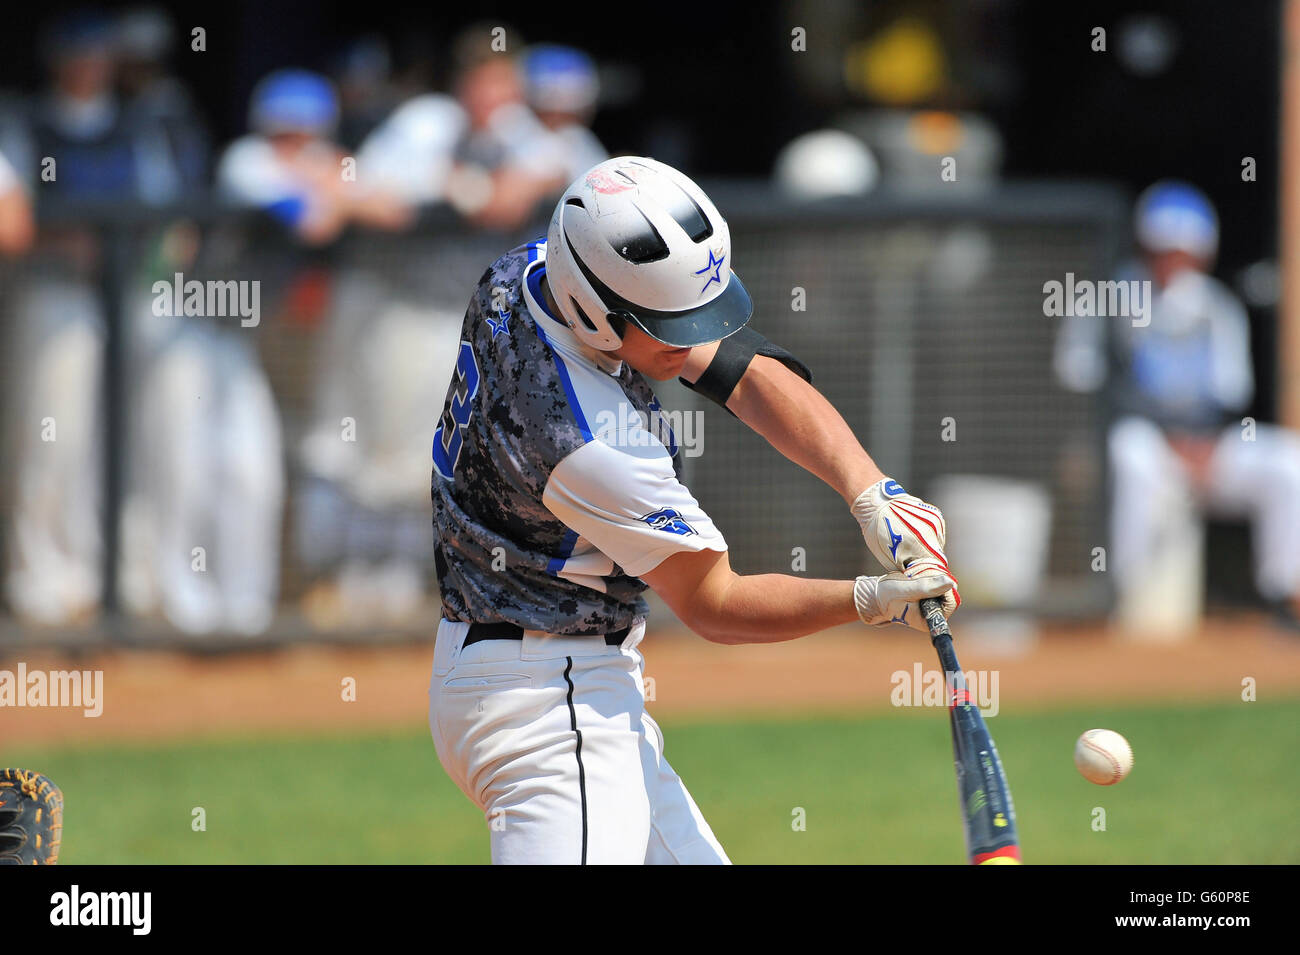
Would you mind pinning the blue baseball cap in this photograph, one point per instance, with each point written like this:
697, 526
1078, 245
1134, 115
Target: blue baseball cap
296, 101
1174, 216
560, 78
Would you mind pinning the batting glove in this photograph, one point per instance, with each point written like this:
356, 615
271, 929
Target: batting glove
898, 527
893, 597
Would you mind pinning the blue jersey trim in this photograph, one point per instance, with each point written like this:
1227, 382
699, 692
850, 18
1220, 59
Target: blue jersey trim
556, 564
535, 287
562, 368
567, 382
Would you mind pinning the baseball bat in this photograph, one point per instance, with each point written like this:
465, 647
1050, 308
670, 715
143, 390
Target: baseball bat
988, 815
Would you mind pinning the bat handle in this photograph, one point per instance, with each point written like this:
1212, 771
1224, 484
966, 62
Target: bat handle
932, 608
941, 639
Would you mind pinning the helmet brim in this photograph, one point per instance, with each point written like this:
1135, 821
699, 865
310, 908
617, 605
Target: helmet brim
725, 315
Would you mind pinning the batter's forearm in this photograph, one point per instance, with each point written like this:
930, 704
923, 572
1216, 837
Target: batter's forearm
797, 420
771, 608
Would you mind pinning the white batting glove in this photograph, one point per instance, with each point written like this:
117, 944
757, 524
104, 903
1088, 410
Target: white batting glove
898, 527
893, 597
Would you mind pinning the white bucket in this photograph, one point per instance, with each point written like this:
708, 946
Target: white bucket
999, 530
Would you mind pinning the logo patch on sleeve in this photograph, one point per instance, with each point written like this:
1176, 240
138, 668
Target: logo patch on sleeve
668, 519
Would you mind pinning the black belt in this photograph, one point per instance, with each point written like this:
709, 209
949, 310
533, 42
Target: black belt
508, 631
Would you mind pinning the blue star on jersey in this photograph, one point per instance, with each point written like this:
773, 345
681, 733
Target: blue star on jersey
500, 325
715, 265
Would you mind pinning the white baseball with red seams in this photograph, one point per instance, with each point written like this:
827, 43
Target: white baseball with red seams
1103, 757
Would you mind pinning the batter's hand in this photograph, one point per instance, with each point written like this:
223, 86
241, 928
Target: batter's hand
893, 597
898, 527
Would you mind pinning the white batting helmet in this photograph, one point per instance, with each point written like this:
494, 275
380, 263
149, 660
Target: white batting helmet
636, 239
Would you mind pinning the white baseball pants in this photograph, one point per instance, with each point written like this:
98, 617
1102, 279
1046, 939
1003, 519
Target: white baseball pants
549, 736
1258, 479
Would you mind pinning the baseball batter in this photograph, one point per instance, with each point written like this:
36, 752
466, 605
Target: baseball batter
557, 501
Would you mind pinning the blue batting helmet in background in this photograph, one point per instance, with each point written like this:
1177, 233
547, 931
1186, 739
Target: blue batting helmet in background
1175, 216
296, 101
560, 78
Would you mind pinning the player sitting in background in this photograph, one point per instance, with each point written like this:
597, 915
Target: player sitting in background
1183, 381
557, 501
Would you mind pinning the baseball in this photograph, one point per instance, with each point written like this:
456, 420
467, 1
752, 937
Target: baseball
1103, 757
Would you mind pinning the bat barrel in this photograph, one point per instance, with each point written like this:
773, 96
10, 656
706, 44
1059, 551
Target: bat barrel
988, 814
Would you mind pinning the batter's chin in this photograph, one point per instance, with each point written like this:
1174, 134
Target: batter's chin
672, 363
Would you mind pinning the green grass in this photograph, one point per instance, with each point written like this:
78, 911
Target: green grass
1211, 784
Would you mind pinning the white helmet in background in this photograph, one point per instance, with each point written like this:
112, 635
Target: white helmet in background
826, 163
636, 239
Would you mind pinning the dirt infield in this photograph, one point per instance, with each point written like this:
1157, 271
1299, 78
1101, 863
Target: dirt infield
156, 695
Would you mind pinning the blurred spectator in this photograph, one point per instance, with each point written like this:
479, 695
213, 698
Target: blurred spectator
367, 94
562, 88
210, 475
154, 96
507, 161
78, 140
1180, 383
410, 154
219, 470
72, 142
383, 362
361, 515
201, 518
17, 224
290, 167
357, 524
484, 150
54, 543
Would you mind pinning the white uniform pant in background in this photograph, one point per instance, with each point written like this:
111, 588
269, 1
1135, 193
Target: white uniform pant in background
1258, 480
55, 547
211, 474
550, 738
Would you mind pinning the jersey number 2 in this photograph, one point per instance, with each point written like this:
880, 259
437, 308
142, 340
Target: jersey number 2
449, 437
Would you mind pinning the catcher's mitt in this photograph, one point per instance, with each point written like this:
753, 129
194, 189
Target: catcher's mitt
31, 818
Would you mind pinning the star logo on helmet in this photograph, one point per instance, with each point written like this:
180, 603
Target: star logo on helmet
714, 266
499, 326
